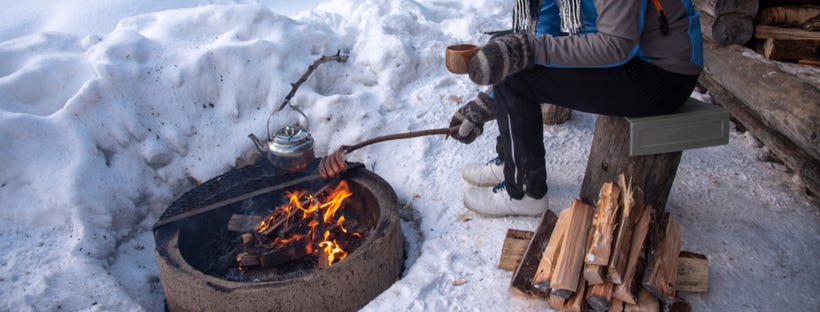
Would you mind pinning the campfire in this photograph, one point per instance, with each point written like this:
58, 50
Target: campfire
310, 224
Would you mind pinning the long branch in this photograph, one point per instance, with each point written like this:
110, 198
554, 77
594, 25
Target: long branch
324, 59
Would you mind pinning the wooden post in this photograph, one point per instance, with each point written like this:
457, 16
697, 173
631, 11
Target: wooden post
609, 157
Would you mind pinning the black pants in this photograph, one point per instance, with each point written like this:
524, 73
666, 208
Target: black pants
636, 88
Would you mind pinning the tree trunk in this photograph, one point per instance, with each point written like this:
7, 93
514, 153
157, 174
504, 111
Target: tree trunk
784, 103
609, 157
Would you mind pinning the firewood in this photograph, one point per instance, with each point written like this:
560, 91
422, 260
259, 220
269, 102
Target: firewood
515, 244
727, 29
630, 215
599, 297
593, 274
603, 225
247, 260
693, 273
616, 306
571, 259
646, 303
243, 223
662, 265
627, 291
764, 31
783, 49
547, 264
522, 276
577, 302
789, 15
813, 24
557, 302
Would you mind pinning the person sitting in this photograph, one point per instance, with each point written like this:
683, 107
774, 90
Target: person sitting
618, 58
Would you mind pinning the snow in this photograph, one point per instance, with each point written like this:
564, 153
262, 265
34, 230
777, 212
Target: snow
111, 110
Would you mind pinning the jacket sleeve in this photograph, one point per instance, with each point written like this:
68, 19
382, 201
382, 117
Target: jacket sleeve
615, 42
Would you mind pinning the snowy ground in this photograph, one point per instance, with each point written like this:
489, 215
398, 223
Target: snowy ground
109, 111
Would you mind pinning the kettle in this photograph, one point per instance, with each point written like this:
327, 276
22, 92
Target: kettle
289, 149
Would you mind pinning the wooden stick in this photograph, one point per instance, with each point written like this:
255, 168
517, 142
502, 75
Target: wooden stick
338, 57
571, 260
547, 264
662, 269
628, 290
522, 277
515, 244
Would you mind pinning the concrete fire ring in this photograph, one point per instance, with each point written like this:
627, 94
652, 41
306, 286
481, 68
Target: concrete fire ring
345, 286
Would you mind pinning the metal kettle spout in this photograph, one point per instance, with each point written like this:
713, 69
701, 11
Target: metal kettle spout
260, 145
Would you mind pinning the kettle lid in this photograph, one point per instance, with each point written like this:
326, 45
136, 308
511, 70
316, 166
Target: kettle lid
291, 139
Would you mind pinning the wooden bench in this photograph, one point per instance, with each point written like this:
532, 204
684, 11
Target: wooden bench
648, 149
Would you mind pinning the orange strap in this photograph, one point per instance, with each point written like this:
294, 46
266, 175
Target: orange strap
659, 7
662, 17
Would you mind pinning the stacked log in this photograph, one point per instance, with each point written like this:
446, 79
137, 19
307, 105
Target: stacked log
727, 22
584, 240
789, 33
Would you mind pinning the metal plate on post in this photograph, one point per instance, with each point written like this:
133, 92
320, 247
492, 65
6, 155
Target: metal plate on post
694, 125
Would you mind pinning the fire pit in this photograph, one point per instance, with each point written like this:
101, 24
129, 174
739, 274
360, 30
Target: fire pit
200, 258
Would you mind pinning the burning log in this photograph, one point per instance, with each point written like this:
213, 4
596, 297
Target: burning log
662, 270
515, 244
571, 258
522, 277
550, 256
628, 289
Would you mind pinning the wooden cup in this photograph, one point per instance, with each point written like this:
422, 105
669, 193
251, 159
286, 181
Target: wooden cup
457, 57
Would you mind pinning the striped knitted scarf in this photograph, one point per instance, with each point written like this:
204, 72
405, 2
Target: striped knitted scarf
525, 15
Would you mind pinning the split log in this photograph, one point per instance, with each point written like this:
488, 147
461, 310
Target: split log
764, 32
549, 258
593, 273
609, 157
794, 157
787, 50
557, 302
603, 225
630, 215
571, 259
720, 7
662, 268
577, 302
727, 29
693, 273
646, 303
522, 277
790, 15
783, 102
555, 115
628, 290
616, 306
599, 297
813, 24
515, 244
771, 3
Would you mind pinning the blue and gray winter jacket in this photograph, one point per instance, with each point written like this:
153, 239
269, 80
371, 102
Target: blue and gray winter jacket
614, 32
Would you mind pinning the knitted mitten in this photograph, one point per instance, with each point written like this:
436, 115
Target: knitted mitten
471, 118
501, 57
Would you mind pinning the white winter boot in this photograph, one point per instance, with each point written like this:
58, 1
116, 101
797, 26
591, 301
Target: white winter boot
494, 201
489, 174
